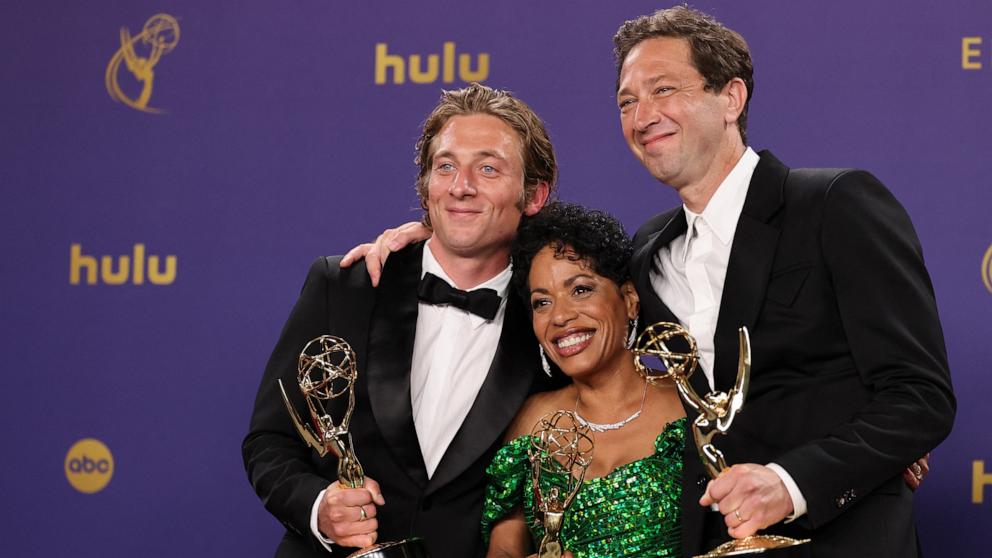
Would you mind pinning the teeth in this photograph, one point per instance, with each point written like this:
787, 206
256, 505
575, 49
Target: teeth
571, 340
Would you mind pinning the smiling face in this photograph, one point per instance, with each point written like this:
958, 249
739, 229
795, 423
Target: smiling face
476, 188
681, 132
579, 316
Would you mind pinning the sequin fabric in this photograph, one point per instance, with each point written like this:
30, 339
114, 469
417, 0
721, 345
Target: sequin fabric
632, 511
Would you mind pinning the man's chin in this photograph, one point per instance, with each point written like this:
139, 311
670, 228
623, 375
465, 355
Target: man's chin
660, 171
461, 245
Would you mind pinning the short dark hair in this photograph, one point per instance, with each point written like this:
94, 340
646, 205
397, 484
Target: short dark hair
719, 54
538, 153
574, 232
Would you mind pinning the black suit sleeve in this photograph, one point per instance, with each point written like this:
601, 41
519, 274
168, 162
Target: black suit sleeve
889, 315
280, 466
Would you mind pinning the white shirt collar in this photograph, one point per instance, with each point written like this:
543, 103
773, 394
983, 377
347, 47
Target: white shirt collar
724, 208
499, 283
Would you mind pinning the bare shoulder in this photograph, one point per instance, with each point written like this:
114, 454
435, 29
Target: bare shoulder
664, 402
537, 406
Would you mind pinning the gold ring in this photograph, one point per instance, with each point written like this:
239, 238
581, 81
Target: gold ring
917, 471
737, 514
362, 510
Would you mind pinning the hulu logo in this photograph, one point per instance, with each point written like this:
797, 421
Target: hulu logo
134, 268
980, 480
419, 72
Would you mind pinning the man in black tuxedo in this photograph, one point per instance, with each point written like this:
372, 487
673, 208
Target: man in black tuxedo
849, 380
441, 372
849, 377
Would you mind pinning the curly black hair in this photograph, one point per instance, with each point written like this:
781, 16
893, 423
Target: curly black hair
574, 232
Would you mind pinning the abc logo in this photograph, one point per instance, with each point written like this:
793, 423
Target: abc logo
89, 465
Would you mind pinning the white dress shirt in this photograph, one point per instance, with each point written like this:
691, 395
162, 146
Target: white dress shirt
689, 273
452, 352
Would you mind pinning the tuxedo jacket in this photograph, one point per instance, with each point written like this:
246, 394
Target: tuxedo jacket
849, 376
379, 323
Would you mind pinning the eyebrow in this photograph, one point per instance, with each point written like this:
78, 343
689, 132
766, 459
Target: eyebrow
576, 277
651, 80
568, 282
483, 154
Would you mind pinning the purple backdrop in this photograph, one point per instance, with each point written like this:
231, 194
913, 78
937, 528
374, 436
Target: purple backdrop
276, 145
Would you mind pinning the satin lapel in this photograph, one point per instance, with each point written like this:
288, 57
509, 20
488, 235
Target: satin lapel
502, 394
390, 354
749, 268
652, 308
349, 313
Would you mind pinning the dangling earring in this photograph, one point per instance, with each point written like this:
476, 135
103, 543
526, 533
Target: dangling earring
632, 336
544, 361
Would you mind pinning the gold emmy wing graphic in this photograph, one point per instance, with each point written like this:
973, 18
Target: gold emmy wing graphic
716, 411
327, 370
159, 36
987, 269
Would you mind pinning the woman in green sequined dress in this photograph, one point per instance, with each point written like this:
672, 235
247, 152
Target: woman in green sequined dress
570, 264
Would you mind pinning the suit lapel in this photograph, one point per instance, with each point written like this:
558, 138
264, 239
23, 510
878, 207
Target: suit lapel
750, 264
390, 355
503, 392
652, 308
349, 312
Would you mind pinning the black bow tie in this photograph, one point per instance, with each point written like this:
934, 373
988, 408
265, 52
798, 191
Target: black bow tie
481, 302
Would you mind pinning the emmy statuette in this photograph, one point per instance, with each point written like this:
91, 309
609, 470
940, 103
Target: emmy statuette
716, 412
327, 370
560, 446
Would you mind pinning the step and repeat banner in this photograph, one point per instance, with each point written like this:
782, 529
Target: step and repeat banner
169, 169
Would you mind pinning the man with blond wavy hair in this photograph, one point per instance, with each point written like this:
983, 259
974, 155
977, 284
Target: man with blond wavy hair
429, 412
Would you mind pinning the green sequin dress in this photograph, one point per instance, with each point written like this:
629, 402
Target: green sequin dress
633, 511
